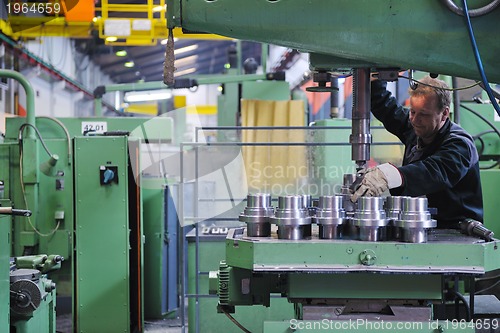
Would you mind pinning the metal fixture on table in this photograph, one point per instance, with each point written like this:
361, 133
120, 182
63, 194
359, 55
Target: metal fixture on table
349, 230
472, 227
292, 218
393, 207
330, 216
415, 220
371, 219
257, 214
307, 200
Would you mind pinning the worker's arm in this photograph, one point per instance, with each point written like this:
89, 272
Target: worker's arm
444, 169
386, 109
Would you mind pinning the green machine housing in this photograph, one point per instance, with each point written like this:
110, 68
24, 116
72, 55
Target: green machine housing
338, 282
89, 210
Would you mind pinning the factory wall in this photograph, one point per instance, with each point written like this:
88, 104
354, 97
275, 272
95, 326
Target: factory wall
54, 97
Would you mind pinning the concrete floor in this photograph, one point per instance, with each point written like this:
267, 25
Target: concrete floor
164, 326
64, 325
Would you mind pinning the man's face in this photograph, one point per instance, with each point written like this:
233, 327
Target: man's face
425, 116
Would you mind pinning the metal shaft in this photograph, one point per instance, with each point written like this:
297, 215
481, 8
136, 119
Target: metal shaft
361, 138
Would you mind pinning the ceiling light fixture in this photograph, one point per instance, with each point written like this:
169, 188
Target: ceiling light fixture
159, 8
186, 49
147, 95
129, 64
186, 61
185, 71
165, 41
121, 53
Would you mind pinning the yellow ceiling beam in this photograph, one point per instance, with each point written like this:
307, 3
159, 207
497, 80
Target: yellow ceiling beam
33, 27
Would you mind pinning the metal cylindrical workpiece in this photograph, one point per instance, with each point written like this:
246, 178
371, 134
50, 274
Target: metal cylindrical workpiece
330, 216
415, 220
307, 202
393, 207
292, 218
257, 215
348, 230
371, 219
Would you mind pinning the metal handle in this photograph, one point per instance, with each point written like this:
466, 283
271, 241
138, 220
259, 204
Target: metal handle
17, 212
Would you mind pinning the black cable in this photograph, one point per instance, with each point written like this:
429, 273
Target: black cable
482, 118
484, 132
488, 278
468, 316
494, 165
234, 320
481, 151
456, 101
488, 288
23, 126
495, 130
477, 57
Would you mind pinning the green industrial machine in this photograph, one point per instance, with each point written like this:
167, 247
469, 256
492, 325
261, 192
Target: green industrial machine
383, 286
33, 294
5, 221
81, 178
161, 269
481, 122
202, 316
351, 286
28, 295
108, 257
380, 33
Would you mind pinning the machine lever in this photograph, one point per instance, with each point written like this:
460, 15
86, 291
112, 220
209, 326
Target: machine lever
17, 212
472, 227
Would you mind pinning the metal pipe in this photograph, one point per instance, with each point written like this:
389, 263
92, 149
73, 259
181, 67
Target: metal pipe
473, 12
361, 138
263, 57
66, 133
334, 97
30, 97
182, 255
238, 55
456, 101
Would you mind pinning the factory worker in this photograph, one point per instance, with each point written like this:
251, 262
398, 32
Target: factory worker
440, 160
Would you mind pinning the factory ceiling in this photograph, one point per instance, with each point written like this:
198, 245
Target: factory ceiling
193, 56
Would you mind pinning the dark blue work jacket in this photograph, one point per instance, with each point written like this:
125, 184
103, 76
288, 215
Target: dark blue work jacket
446, 171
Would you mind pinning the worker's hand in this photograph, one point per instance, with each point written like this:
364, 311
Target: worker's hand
377, 180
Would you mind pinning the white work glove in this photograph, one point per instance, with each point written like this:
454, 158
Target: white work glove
377, 180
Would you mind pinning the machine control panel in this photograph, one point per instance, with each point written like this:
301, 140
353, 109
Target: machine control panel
108, 174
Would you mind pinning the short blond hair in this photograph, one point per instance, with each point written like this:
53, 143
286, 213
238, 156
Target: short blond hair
429, 86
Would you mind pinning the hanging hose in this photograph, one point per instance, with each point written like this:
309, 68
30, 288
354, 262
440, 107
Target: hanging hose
478, 58
456, 295
168, 66
474, 12
477, 114
494, 130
